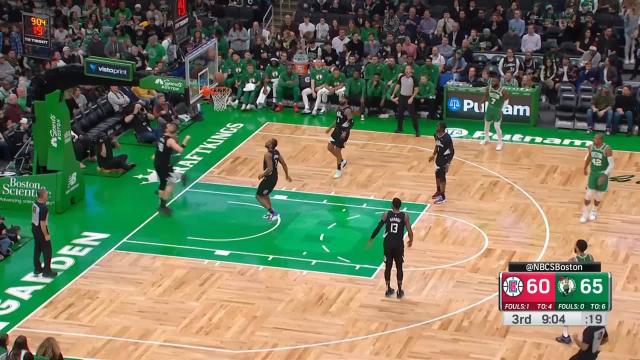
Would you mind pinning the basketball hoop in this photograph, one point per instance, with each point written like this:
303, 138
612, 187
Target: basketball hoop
219, 97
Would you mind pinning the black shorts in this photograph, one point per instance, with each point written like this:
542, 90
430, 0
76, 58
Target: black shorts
442, 166
355, 100
394, 253
337, 140
583, 355
166, 175
266, 186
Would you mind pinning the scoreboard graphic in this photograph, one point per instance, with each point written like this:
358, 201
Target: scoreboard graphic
555, 298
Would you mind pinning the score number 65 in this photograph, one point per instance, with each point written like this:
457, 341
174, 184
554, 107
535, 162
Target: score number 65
543, 286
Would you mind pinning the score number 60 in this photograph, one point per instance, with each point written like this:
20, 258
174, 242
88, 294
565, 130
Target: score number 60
543, 286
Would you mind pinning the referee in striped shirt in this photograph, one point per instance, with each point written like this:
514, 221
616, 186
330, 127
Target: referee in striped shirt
407, 85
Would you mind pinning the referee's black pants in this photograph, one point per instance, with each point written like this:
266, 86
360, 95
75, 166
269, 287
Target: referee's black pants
41, 247
403, 104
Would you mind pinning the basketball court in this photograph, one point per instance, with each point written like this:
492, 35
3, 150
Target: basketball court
217, 281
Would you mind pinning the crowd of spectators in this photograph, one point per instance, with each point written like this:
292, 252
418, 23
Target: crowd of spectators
545, 45
19, 349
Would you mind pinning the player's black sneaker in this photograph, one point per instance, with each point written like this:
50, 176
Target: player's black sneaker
164, 210
184, 179
50, 274
435, 195
564, 339
37, 272
389, 292
400, 294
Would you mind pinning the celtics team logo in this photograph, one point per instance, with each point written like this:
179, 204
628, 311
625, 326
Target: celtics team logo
566, 286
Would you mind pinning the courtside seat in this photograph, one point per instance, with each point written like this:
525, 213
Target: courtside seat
565, 110
585, 95
480, 59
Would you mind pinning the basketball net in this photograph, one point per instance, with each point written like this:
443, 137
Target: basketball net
218, 95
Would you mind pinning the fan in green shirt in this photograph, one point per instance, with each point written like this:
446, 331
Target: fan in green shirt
390, 73
425, 88
372, 67
223, 43
248, 59
251, 81
233, 68
122, 9
288, 83
355, 86
336, 81
432, 71
368, 29
355, 91
426, 97
155, 51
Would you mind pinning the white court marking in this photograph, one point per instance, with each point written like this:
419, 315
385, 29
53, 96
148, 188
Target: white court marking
338, 341
484, 246
243, 237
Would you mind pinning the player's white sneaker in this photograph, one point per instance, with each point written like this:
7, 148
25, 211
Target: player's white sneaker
322, 111
338, 174
273, 217
306, 111
484, 142
583, 219
314, 112
499, 147
267, 215
593, 215
343, 164
361, 117
243, 107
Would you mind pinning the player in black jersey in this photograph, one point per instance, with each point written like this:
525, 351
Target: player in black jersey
165, 147
443, 153
395, 222
340, 134
269, 177
592, 338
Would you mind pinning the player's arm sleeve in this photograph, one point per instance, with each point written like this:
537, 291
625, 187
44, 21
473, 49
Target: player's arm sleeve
610, 167
377, 229
379, 226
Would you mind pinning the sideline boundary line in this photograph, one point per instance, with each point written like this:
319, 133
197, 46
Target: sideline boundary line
136, 229
355, 338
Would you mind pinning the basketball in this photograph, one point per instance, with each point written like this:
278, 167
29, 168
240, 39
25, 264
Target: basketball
205, 91
219, 77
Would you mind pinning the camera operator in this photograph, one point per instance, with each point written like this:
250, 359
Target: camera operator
164, 112
136, 116
106, 159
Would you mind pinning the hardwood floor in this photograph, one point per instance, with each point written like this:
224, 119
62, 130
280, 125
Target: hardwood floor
526, 198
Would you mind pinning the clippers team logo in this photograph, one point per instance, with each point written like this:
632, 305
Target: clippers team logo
566, 286
512, 286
